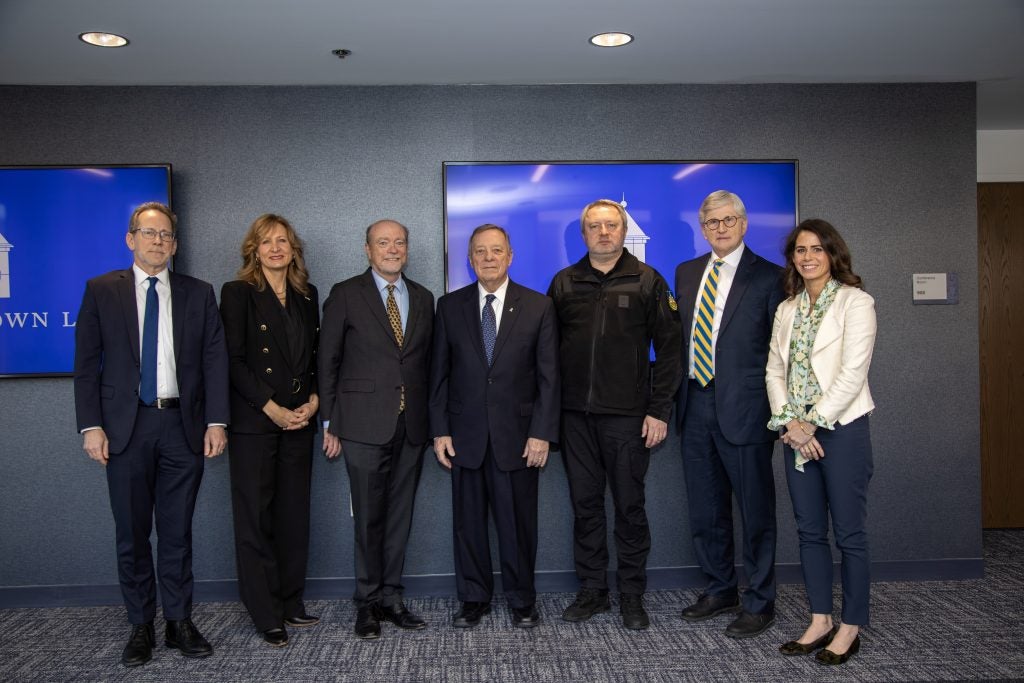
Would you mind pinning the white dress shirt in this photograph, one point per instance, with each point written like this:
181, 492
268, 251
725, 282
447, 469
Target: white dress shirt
726, 274
498, 304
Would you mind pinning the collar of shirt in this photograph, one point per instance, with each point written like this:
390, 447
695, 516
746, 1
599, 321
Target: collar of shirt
141, 276
499, 300
732, 260
382, 284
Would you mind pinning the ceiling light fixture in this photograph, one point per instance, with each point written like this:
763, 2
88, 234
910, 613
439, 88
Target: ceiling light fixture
341, 53
611, 39
101, 39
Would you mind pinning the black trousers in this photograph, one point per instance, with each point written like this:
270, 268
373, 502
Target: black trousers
607, 451
270, 483
156, 473
511, 498
383, 480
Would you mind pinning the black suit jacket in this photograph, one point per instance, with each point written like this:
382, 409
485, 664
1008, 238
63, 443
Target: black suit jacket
107, 366
362, 369
741, 352
258, 354
517, 397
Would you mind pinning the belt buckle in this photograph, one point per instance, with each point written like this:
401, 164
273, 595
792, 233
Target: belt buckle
296, 385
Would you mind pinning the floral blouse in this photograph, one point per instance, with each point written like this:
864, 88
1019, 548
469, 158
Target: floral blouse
802, 385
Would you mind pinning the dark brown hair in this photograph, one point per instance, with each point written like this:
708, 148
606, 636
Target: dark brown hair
833, 244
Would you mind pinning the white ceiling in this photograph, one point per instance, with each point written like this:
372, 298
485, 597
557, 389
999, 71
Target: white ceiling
400, 42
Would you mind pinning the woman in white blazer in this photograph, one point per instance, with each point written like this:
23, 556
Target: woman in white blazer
817, 377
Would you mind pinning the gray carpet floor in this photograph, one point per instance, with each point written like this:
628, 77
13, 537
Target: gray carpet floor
924, 631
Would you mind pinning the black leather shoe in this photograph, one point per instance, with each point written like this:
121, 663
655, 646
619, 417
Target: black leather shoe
708, 606
277, 637
634, 616
794, 647
748, 624
139, 649
525, 617
470, 614
301, 621
401, 617
367, 623
589, 601
828, 657
183, 635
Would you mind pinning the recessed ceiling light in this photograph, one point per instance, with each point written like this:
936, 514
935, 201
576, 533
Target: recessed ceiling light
611, 39
100, 39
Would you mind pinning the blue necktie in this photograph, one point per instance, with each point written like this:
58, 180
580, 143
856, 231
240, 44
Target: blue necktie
489, 326
150, 325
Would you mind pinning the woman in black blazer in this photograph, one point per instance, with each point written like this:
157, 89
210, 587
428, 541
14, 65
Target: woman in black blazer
271, 322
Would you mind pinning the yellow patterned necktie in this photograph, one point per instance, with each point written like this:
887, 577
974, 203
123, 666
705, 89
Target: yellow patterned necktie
395, 318
703, 365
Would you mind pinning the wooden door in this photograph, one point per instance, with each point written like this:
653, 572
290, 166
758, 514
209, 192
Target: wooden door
1001, 348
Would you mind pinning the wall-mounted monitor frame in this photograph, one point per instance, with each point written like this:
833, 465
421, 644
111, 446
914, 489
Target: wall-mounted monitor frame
539, 203
60, 226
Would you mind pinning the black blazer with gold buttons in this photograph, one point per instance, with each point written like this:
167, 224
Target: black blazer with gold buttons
260, 366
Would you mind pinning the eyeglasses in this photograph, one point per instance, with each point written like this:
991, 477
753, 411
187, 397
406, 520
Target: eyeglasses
151, 234
728, 221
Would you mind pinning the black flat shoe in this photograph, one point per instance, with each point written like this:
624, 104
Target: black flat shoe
401, 617
793, 647
139, 649
708, 606
367, 624
470, 614
830, 658
525, 617
185, 637
748, 624
276, 637
301, 621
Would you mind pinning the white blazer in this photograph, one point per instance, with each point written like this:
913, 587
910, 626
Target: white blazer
840, 357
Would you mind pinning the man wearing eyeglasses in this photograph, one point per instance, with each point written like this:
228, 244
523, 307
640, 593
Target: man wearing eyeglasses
728, 299
151, 397
373, 361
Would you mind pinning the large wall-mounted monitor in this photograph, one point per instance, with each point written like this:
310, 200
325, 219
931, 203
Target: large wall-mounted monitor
539, 203
60, 226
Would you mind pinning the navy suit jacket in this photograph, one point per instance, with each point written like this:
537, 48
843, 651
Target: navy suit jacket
741, 351
107, 366
362, 370
517, 397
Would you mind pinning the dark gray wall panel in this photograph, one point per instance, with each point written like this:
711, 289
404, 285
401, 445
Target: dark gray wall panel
892, 166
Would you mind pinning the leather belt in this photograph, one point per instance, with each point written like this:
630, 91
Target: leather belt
162, 403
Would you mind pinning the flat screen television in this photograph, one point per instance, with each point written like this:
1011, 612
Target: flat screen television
539, 204
60, 226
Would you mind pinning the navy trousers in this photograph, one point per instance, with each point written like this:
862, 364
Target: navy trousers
511, 498
715, 469
156, 472
836, 486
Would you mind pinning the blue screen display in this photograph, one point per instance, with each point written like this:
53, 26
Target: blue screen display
539, 204
58, 228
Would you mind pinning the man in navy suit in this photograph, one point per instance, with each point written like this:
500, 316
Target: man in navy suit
374, 356
494, 405
151, 397
723, 414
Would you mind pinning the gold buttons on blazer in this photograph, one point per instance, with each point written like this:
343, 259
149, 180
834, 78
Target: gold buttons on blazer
270, 371
263, 328
266, 350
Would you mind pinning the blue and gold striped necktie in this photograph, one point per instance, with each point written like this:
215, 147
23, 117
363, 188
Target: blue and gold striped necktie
703, 365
